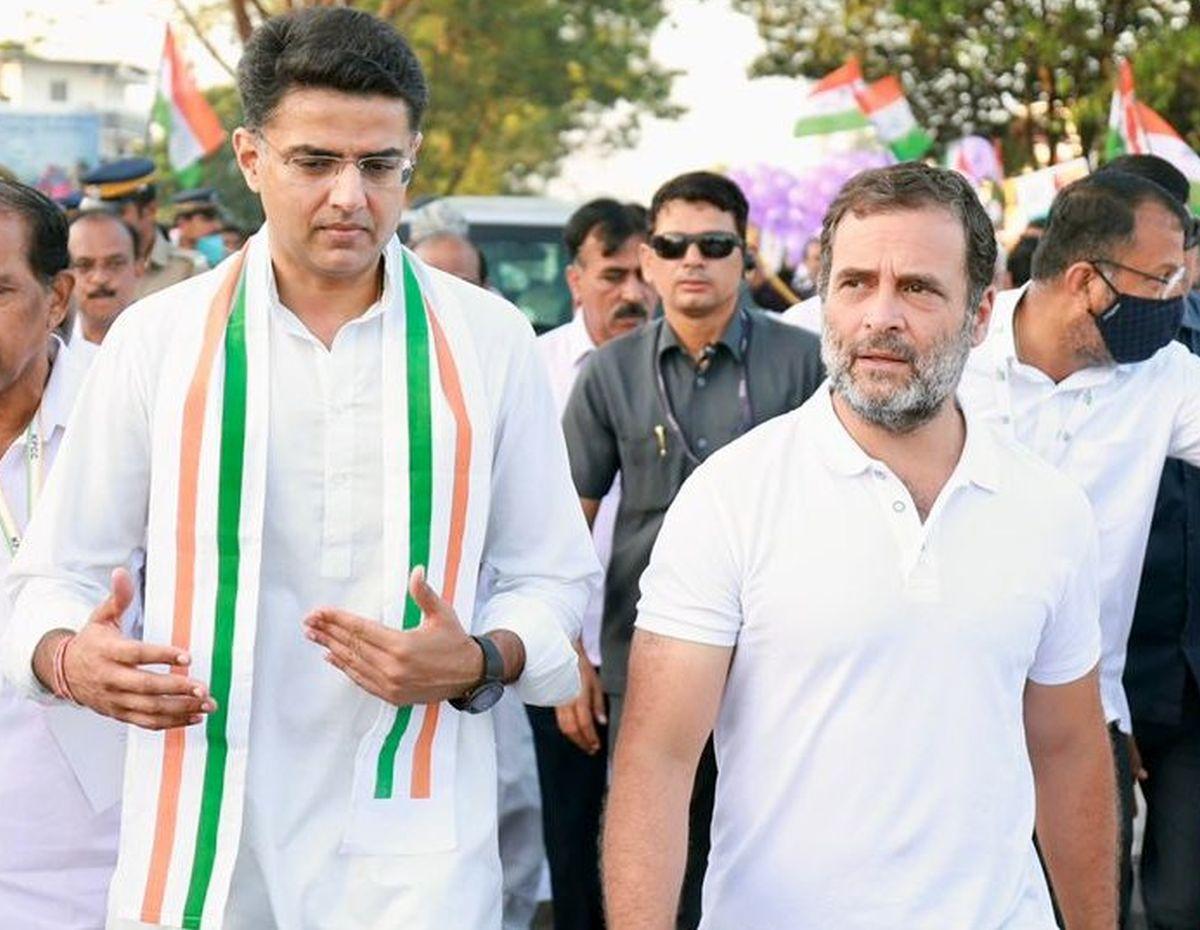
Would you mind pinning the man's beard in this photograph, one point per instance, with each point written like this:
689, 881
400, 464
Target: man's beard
934, 376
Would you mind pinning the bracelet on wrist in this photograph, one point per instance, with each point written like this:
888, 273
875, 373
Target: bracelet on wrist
60, 686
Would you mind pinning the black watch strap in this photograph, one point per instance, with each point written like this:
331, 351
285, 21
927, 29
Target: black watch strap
493, 661
487, 691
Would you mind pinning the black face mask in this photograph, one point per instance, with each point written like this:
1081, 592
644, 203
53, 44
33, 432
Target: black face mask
1134, 328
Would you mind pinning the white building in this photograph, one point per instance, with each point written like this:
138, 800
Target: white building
76, 111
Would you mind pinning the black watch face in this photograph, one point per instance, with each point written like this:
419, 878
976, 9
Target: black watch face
486, 697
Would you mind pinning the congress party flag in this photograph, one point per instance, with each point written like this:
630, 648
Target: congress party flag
885, 105
832, 104
189, 122
1135, 129
975, 158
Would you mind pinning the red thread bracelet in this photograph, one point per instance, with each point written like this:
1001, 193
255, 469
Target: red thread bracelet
61, 688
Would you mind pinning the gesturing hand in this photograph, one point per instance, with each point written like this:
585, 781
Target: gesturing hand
102, 666
431, 663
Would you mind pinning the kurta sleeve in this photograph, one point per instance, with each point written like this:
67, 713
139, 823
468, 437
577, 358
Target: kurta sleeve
92, 514
538, 552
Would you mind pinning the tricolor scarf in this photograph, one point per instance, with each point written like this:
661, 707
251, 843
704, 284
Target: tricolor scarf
183, 795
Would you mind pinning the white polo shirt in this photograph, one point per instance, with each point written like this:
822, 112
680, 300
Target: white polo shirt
870, 742
1109, 429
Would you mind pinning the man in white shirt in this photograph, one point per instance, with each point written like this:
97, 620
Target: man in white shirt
1080, 368
319, 444
104, 259
913, 603
58, 836
611, 298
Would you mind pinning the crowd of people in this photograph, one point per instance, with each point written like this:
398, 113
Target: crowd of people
333, 597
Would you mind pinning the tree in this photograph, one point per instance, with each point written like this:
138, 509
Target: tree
515, 85
1027, 70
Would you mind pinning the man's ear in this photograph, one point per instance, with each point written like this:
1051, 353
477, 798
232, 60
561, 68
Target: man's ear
59, 299
249, 158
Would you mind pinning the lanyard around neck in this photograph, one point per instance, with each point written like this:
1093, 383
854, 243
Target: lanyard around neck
35, 473
745, 408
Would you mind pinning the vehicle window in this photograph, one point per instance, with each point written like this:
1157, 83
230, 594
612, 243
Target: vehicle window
526, 264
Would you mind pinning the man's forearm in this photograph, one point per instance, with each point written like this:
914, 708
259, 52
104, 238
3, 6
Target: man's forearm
1077, 832
645, 839
512, 650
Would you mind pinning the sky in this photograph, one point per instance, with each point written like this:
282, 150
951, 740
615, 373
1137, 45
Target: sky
730, 121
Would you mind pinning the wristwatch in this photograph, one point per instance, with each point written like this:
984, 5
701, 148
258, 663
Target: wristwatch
490, 688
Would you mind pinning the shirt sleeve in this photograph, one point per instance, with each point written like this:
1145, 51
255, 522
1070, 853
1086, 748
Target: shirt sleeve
1185, 431
591, 439
692, 587
1070, 643
92, 514
538, 553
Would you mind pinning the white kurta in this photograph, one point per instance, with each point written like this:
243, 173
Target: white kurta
57, 851
321, 545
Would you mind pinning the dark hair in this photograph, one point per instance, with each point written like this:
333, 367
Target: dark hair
98, 213
1155, 169
703, 187
1092, 216
914, 186
331, 48
45, 228
1020, 259
613, 223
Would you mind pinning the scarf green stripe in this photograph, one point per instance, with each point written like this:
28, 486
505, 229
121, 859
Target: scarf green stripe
229, 506
420, 493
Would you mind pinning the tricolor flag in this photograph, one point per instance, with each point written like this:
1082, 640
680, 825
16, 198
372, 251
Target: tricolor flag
887, 108
1135, 129
832, 103
191, 125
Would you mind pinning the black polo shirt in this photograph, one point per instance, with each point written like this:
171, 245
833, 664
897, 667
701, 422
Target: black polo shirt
644, 408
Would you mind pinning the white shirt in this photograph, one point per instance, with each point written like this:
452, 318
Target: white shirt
870, 744
564, 351
807, 314
57, 851
1110, 430
321, 544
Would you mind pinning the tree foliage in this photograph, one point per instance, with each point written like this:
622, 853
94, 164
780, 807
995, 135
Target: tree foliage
1025, 70
515, 85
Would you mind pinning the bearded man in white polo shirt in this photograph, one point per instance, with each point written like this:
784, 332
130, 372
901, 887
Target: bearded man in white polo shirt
912, 599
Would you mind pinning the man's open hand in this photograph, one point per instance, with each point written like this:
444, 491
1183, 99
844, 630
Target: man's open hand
103, 668
431, 663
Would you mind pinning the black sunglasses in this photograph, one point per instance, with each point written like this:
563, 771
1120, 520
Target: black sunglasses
1191, 233
711, 244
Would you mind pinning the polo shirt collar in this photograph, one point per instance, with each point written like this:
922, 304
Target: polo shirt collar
978, 464
731, 338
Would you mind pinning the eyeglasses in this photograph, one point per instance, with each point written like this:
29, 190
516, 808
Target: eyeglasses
380, 171
205, 213
1170, 285
711, 244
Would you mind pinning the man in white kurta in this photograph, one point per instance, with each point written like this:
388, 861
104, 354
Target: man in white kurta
59, 767
324, 501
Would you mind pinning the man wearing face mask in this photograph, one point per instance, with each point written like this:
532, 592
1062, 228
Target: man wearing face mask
1080, 366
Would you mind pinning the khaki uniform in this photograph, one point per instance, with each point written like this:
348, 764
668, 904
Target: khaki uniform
167, 265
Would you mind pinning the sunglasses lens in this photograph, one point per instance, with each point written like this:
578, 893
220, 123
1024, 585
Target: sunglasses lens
716, 246
1192, 237
670, 247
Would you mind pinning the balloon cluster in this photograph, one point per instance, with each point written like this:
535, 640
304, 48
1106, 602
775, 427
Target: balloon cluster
788, 207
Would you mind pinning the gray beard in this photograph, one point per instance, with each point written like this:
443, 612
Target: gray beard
935, 376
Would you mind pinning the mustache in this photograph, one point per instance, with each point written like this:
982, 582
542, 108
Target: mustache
630, 311
101, 292
885, 344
